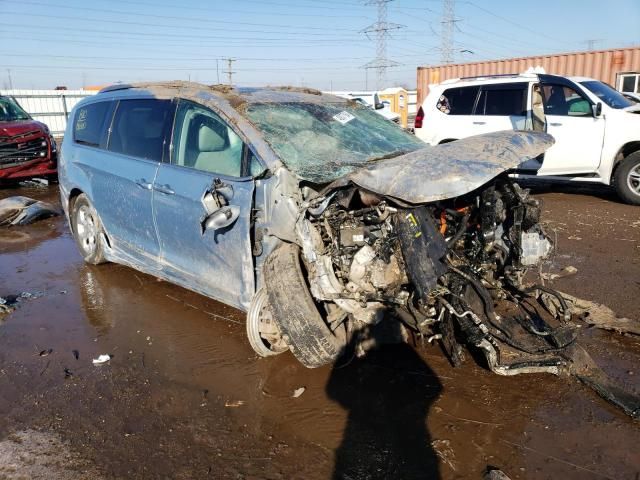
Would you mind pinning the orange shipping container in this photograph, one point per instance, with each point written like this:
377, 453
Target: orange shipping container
604, 65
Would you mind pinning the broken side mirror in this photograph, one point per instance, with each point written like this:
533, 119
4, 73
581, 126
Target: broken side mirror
597, 109
217, 196
379, 106
222, 218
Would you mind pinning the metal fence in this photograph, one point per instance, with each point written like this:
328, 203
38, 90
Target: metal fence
50, 107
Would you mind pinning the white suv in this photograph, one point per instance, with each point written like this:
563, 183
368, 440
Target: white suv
597, 130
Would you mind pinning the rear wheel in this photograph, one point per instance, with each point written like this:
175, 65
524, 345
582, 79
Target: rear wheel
303, 327
627, 179
87, 230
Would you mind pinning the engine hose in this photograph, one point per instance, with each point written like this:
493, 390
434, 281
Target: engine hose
486, 299
566, 313
499, 334
461, 229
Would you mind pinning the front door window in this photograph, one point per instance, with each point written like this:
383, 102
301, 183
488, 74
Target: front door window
203, 141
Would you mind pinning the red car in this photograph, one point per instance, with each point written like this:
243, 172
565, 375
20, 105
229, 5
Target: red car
27, 149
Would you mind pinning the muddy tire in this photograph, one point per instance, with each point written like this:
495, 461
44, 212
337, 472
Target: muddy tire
293, 307
627, 179
87, 230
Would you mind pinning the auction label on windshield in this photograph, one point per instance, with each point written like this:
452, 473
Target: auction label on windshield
343, 117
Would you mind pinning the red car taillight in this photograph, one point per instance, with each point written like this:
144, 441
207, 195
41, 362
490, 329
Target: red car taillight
419, 117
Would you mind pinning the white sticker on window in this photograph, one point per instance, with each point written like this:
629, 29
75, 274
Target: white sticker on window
343, 117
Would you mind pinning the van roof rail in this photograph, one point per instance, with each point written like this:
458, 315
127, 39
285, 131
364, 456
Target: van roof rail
115, 87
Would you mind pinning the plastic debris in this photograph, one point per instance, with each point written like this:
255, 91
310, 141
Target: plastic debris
101, 359
46, 352
67, 373
24, 210
76, 354
298, 391
233, 403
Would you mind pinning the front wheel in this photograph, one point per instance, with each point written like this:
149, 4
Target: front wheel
262, 330
627, 179
303, 327
87, 230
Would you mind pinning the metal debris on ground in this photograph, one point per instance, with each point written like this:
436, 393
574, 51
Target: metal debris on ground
102, 359
298, 391
495, 474
601, 316
20, 210
565, 272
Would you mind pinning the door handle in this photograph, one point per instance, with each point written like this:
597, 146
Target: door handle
555, 124
166, 189
142, 183
479, 123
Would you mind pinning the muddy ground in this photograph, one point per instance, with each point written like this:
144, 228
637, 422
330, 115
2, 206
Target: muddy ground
185, 397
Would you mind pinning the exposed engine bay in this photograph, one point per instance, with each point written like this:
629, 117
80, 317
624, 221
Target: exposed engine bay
451, 271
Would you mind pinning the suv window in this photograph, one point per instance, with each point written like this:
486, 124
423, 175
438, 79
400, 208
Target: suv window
505, 100
138, 128
458, 101
202, 140
565, 101
89, 123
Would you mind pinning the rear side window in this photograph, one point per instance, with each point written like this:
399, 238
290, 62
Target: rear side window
458, 101
508, 100
89, 123
139, 128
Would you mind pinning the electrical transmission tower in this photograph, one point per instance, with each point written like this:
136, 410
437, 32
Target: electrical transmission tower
229, 71
381, 28
448, 25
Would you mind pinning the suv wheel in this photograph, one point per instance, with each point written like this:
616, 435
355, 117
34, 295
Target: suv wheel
627, 179
87, 230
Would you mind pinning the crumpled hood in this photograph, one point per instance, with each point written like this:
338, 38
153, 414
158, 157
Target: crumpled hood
449, 170
20, 127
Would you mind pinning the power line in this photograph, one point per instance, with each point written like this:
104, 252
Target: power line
190, 27
226, 38
169, 17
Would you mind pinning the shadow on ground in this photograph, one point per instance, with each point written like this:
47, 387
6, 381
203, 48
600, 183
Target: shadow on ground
387, 395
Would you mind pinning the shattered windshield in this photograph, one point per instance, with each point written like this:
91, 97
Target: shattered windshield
607, 94
322, 142
10, 111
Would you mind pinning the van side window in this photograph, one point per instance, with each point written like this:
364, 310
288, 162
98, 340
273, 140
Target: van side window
508, 100
138, 128
203, 141
565, 101
458, 101
89, 123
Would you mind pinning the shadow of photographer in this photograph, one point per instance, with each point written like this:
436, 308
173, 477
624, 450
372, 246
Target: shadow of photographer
387, 394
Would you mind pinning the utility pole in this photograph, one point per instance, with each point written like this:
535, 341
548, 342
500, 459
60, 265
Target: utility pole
591, 43
10, 81
381, 28
229, 71
448, 25
218, 71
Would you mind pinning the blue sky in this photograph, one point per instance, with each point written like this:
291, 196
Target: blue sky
316, 43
